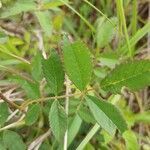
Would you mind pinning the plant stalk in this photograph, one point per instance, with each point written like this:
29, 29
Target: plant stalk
88, 137
68, 91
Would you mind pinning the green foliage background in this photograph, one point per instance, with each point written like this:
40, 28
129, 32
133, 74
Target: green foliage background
74, 74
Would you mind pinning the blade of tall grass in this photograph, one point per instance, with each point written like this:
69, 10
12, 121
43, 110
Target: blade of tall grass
122, 18
16, 73
138, 35
5, 51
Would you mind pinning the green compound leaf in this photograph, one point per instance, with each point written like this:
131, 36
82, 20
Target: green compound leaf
3, 113
58, 120
13, 141
133, 75
78, 64
32, 114
53, 72
106, 115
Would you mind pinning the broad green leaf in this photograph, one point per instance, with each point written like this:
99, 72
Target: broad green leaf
105, 31
53, 72
106, 115
74, 128
45, 21
58, 120
133, 75
77, 63
32, 114
131, 140
13, 141
18, 7
3, 113
37, 67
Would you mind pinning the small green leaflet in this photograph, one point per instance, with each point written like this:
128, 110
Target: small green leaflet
18, 7
37, 67
32, 114
13, 141
133, 75
53, 72
106, 115
58, 120
77, 63
3, 113
45, 21
131, 140
105, 31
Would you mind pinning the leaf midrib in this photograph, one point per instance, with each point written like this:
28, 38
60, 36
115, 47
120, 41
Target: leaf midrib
116, 82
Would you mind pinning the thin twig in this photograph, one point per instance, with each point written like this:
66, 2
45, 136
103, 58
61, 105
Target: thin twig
26, 103
29, 102
39, 140
12, 104
13, 125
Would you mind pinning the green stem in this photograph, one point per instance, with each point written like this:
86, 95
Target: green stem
5, 51
123, 20
88, 137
